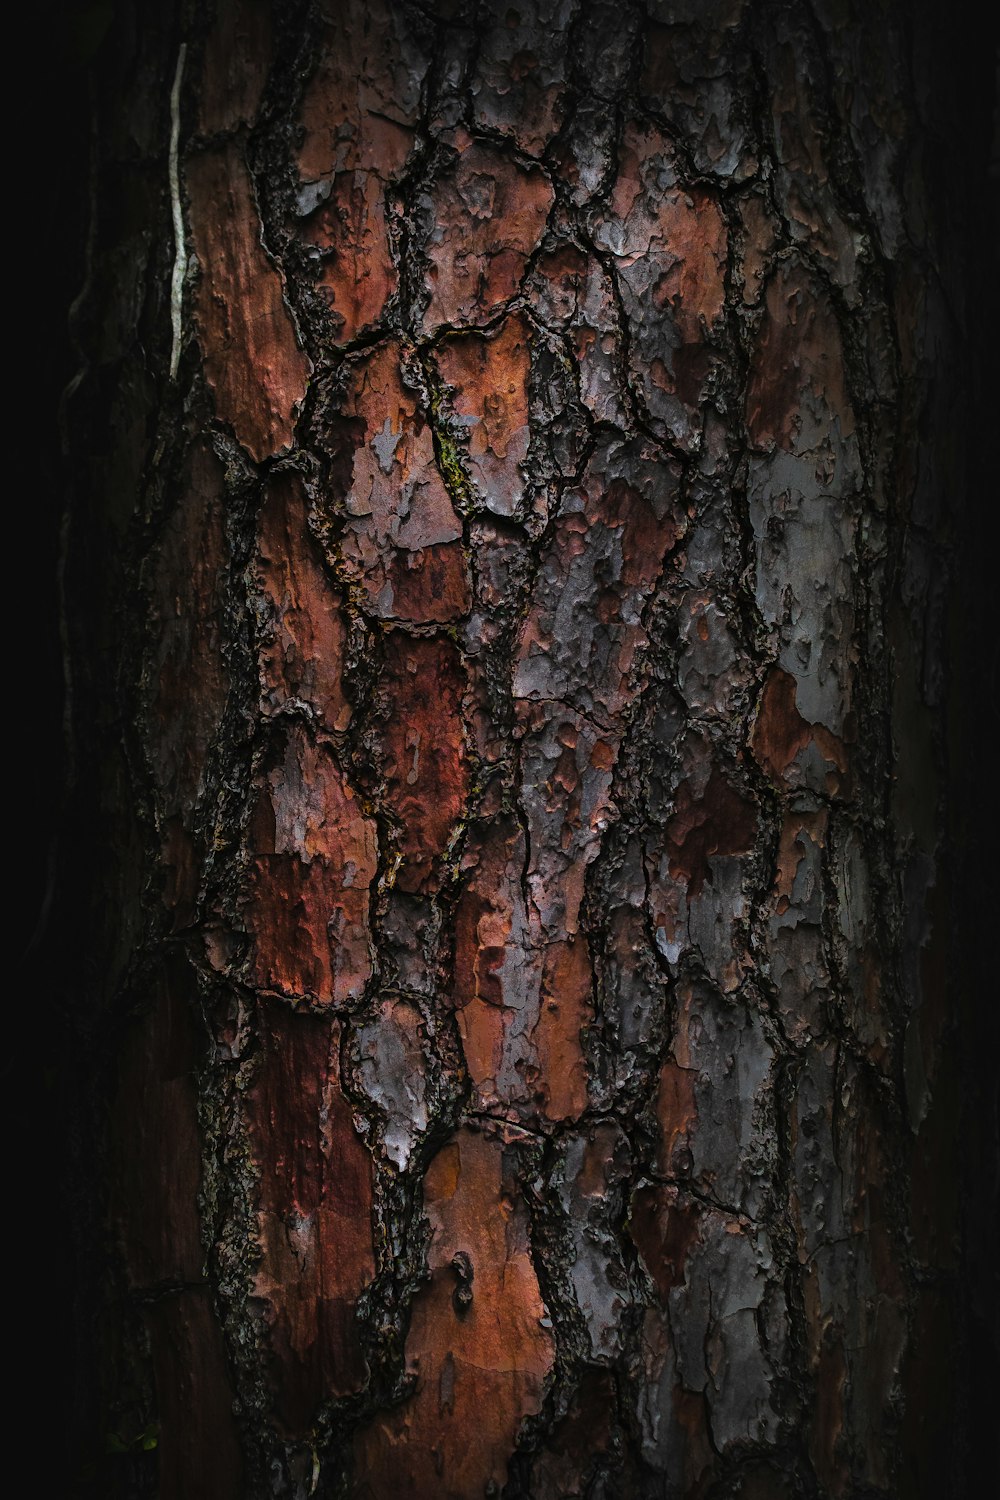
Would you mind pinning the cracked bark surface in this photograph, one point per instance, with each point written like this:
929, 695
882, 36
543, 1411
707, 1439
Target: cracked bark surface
512, 695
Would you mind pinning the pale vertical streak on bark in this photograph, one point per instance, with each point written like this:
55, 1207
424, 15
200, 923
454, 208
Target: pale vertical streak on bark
177, 212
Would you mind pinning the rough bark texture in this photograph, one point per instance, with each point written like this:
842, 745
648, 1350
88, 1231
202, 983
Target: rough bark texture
509, 665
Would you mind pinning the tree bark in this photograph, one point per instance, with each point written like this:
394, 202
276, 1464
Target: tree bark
508, 575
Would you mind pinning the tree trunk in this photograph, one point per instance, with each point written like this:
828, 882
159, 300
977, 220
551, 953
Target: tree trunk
507, 582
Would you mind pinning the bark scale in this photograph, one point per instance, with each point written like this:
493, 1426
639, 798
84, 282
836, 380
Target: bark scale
511, 693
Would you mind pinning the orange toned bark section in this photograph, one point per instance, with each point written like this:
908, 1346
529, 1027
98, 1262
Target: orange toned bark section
401, 543
676, 1113
423, 749
349, 228
314, 1214
253, 365
303, 654
363, 96
313, 860
780, 734
357, 116
694, 236
489, 381
671, 245
476, 1344
567, 1006
489, 214
695, 233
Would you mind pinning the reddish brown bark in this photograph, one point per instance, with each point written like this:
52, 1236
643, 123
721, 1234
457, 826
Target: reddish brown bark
531, 1028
